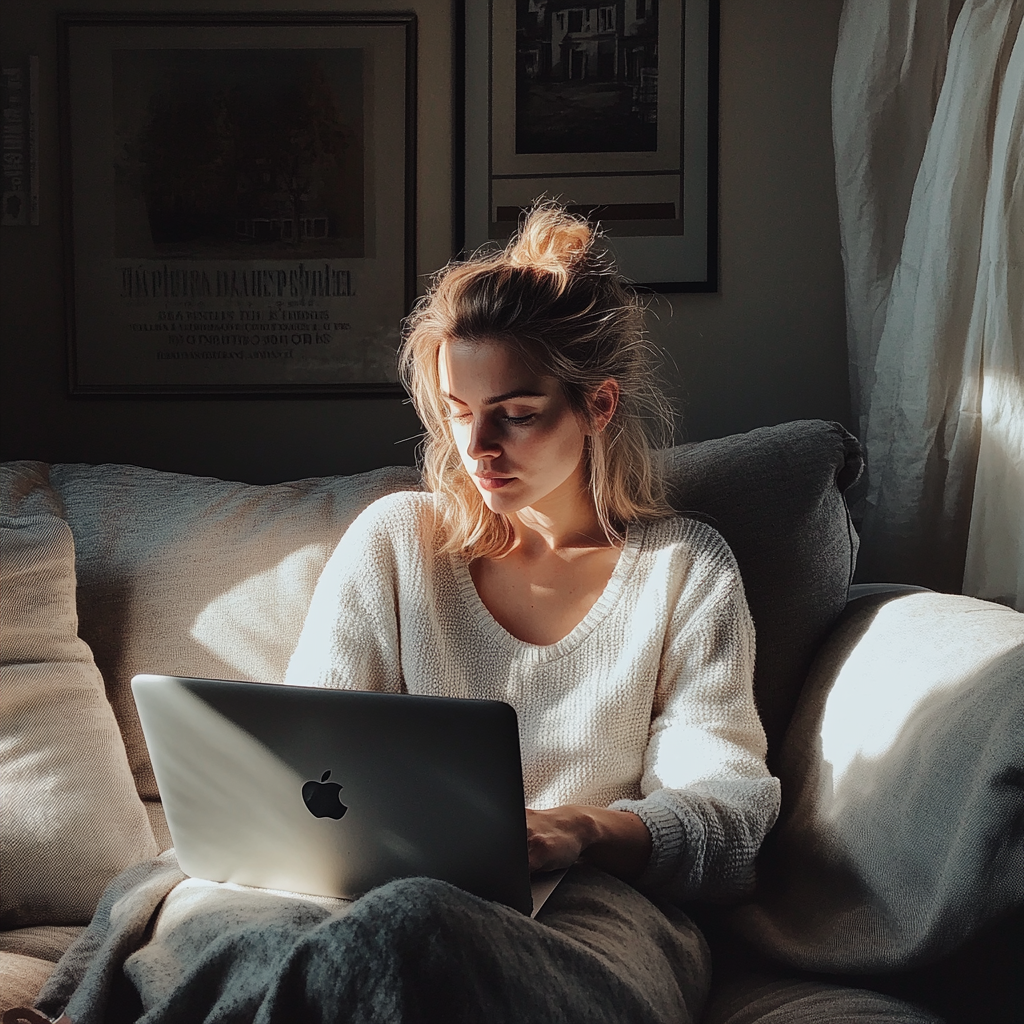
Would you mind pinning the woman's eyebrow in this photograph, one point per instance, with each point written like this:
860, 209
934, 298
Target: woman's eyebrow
506, 396
509, 395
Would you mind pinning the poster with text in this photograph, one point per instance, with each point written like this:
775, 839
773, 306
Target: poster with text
240, 203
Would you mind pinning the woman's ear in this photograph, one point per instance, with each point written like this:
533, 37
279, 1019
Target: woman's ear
603, 402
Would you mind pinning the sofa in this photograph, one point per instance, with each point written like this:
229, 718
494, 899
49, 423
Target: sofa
892, 887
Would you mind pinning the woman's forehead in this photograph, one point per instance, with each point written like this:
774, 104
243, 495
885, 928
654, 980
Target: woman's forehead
487, 370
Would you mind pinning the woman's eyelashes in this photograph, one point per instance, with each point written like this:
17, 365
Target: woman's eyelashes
462, 416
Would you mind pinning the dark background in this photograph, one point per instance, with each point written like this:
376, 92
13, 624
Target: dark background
768, 347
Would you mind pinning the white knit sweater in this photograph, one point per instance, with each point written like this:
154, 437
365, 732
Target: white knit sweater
647, 705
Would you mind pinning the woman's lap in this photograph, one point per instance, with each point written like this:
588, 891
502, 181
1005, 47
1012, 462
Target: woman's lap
418, 951
656, 947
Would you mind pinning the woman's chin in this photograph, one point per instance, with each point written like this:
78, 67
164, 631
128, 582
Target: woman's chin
501, 501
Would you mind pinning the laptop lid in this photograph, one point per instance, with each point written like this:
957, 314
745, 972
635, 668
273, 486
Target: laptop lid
333, 792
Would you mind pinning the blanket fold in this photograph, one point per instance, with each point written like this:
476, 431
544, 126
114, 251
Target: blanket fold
163, 949
86, 975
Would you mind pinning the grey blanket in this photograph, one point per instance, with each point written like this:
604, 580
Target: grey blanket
163, 949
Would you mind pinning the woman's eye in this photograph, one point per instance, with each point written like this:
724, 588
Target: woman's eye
520, 420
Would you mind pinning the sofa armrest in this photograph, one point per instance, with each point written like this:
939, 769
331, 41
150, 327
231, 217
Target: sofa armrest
860, 590
902, 771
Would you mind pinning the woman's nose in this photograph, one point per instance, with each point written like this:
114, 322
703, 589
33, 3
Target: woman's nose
483, 442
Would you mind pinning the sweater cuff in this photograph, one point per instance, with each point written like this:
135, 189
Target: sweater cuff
672, 852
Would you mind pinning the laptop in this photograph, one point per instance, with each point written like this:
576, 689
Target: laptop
333, 792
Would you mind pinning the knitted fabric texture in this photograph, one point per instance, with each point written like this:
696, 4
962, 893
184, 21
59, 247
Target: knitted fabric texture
647, 705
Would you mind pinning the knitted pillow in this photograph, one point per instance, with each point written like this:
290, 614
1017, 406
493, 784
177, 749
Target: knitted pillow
776, 496
71, 817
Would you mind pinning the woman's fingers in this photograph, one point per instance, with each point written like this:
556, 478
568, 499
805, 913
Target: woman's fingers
617, 841
555, 838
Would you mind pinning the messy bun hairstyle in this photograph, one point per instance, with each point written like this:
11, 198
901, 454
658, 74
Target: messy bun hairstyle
557, 300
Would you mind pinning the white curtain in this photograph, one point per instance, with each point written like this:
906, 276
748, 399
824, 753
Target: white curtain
928, 122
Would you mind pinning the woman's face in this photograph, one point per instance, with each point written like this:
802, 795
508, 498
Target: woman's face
519, 440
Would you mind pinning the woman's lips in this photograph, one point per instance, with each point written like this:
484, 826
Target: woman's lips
494, 483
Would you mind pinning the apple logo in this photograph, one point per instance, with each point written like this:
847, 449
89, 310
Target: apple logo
323, 798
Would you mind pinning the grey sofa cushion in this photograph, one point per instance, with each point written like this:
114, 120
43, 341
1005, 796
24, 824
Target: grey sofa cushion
769, 999
901, 831
776, 496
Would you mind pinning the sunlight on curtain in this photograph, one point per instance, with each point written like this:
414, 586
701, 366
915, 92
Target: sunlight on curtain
927, 129
995, 545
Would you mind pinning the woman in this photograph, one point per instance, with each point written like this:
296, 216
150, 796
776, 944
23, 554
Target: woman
542, 566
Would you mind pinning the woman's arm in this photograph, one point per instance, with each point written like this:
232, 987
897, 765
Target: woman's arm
617, 841
350, 638
707, 797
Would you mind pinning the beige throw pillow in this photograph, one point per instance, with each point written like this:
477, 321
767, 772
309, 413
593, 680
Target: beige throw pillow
71, 817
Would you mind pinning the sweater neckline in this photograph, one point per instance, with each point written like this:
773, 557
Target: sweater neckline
496, 632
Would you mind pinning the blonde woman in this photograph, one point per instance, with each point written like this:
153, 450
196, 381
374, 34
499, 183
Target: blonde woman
543, 566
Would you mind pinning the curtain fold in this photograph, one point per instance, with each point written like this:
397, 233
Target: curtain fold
927, 109
995, 543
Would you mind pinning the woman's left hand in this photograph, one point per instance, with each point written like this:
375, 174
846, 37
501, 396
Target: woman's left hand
555, 837
617, 841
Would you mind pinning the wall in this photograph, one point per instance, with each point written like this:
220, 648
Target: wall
769, 347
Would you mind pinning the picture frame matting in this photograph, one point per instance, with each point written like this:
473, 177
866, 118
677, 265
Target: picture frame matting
609, 108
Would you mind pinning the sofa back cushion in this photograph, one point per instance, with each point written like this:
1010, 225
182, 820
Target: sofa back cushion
776, 496
198, 576
194, 576
71, 817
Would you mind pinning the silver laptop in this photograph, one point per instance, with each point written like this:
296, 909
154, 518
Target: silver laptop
333, 792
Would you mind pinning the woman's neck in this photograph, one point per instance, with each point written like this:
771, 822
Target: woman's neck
566, 519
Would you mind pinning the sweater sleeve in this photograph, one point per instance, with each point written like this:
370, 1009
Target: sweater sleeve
350, 639
708, 799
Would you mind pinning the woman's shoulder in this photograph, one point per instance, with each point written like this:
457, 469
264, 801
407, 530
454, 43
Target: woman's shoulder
686, 535
690, 556
389, 519
399, 506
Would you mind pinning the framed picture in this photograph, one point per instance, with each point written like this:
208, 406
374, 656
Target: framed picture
609, 106
239, 201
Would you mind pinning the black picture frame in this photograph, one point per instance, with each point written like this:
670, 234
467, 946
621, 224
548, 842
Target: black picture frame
535, 120
211, 251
